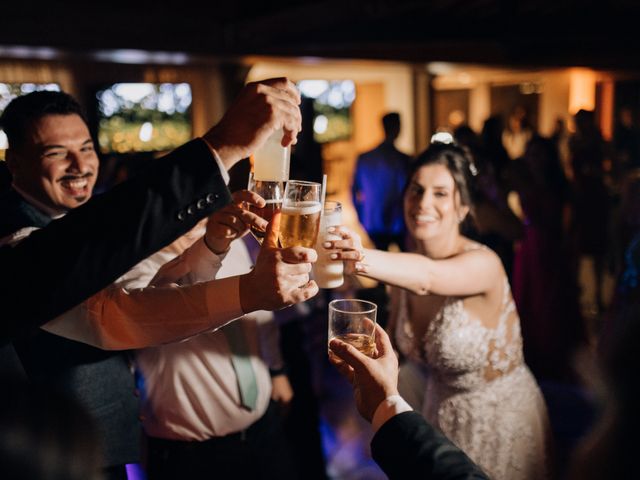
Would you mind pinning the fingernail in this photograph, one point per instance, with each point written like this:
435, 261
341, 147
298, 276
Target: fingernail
326, 244
333, 256
331, 229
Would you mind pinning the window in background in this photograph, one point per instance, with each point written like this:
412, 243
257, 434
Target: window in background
143, 117
9, 91
332, 101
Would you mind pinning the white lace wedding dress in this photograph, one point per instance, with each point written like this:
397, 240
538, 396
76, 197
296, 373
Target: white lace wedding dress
479, 391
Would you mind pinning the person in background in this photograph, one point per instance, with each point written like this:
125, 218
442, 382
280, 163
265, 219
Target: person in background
544, 285
378, 182
493, 150
495, 225
517, 133
626, 140
591, 210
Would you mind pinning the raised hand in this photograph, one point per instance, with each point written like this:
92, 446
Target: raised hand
260, 109
233, 221
373, 379
349, 249
280, 277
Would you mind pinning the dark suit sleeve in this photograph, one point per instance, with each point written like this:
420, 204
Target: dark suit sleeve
61, 265
408, 447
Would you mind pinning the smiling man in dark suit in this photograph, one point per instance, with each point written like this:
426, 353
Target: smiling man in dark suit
102, 239
54, 164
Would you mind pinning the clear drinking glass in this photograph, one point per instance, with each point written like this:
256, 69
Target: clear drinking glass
271, 161
272, 192
328, 273
300, 214
353, 321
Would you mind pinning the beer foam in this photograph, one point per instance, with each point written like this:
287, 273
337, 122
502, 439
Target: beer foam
301, 208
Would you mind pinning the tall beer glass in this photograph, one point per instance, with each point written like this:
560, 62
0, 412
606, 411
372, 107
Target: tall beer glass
328, 273
300, 214
271, 161
353, 321
272, 192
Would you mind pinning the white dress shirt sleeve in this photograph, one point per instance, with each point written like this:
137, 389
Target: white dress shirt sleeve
178, 304
196, 264
390, 407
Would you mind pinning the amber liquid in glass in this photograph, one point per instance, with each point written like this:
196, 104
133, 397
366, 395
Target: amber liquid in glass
265, 212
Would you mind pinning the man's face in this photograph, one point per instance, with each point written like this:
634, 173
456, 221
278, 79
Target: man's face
58, 164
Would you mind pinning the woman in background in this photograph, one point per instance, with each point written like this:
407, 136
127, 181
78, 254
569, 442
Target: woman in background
453, 312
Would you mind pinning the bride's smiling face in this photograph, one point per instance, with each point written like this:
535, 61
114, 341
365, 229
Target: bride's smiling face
432, 203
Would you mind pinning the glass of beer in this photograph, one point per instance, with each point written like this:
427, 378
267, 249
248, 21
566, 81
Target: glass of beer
272, 192
353, 321
328, 273
300, 214
271, 161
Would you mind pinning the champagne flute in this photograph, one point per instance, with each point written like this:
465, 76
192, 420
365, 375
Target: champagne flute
272, 192
300, 214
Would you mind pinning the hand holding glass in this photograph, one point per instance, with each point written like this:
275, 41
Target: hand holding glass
353, 321
300, 214
328, 273
272, 192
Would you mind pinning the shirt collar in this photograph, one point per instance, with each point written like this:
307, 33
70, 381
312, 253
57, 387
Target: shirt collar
52, 212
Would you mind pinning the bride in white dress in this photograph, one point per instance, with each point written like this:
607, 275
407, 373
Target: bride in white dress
452, 310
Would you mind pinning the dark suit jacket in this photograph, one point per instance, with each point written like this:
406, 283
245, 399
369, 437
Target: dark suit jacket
101, 381
407, 447
73, 258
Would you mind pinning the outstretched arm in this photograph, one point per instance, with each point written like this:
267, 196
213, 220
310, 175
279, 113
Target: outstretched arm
118, 318
468, 273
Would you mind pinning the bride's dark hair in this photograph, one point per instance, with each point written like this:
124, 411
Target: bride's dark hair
459, 163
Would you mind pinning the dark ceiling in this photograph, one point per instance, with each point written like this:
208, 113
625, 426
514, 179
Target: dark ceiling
508, 32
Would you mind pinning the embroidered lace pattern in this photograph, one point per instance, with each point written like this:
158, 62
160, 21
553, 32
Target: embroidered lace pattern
479, 391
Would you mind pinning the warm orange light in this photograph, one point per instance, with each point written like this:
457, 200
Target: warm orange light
607, 96
582, 90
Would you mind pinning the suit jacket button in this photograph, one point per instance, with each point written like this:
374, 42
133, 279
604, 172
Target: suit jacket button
201, 204
191, 209
211, 198
182, 215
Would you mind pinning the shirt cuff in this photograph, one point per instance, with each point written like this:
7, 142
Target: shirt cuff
223, 170
223, 299
202, 262
390, 407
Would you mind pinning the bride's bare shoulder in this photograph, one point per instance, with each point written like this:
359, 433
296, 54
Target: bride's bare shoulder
481, 253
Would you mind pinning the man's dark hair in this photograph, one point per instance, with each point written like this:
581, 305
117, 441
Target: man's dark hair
391, 124
23, 111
